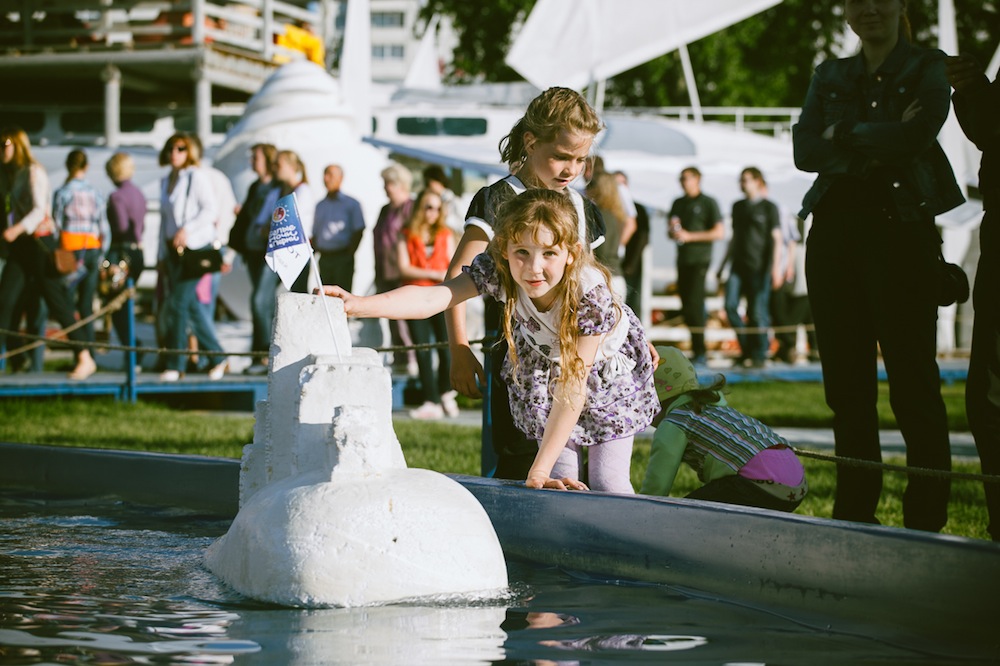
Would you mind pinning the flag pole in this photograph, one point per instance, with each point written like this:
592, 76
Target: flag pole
284, 255
326, 305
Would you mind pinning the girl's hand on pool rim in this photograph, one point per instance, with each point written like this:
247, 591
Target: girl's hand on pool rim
544, 481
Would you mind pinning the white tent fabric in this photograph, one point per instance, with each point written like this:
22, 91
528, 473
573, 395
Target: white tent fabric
356, 63
574, 43
425, 72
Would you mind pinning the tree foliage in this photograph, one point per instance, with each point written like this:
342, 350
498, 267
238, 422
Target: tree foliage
484, 36
765, 60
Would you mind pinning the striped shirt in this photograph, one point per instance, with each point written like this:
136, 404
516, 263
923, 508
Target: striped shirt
723, 433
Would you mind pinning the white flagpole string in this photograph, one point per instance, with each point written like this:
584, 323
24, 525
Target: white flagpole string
326, 304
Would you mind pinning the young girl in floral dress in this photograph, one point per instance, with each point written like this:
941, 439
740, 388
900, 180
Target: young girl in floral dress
578, 367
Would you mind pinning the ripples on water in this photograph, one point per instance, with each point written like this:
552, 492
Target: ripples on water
84, 583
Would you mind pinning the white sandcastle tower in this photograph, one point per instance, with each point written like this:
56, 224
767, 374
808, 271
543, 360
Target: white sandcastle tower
330, 515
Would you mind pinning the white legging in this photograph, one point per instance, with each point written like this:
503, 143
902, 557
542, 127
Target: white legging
608, 465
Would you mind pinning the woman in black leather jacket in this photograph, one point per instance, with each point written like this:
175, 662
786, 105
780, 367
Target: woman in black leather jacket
868, 129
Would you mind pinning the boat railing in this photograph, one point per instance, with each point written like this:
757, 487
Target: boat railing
776, 121
243, 27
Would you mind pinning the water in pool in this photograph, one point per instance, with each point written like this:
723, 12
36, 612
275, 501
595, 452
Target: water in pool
108, 583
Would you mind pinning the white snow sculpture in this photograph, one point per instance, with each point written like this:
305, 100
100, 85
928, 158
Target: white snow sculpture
329, 513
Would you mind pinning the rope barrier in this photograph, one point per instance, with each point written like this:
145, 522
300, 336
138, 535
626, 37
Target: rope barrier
106, 346
912, 471
39, 340
120, 299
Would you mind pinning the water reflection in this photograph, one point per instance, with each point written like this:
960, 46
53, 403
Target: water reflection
113, 585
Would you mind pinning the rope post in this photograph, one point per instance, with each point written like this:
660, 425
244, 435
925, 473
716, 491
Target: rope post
130, 389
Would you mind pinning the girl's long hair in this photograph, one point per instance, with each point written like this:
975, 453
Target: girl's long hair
525, 216
22, 157
554, 110
300, 168
418, 224
603, 191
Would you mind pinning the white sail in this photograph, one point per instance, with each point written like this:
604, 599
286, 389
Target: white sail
425, 70
356, 63
574, 43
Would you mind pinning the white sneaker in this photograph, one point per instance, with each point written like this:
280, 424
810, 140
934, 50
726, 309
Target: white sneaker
449, 404
429, 411
216, 373
170, 375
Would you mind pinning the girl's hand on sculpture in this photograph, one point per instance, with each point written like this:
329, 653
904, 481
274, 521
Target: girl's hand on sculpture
351, 302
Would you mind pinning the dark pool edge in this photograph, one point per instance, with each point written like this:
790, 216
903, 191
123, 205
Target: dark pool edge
849, 575
198, 483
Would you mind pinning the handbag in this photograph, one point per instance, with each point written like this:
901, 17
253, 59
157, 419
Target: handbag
64, 261
195, 263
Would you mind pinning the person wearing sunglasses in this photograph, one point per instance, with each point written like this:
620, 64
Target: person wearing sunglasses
188, 211
425, 248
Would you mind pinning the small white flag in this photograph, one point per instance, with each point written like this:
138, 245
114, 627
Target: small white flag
288, 249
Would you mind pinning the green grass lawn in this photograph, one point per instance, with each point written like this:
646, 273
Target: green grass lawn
444, 447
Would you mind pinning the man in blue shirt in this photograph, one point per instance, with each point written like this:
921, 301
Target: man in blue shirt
337, 231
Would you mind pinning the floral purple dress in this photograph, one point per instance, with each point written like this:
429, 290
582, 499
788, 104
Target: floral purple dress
621, 400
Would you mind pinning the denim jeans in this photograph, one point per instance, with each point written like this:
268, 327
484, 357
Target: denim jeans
263, 300
432, 383
182, 310
756, 288
82, 292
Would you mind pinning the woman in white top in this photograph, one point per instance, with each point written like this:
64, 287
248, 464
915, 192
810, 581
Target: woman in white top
188, 211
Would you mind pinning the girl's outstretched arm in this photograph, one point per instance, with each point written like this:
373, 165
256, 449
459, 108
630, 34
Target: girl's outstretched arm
567, 404
409, 302
465, 367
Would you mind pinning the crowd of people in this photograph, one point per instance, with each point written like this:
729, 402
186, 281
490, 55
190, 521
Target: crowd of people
571, 377
570, 346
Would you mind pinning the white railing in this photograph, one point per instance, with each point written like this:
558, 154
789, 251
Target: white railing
776, 121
